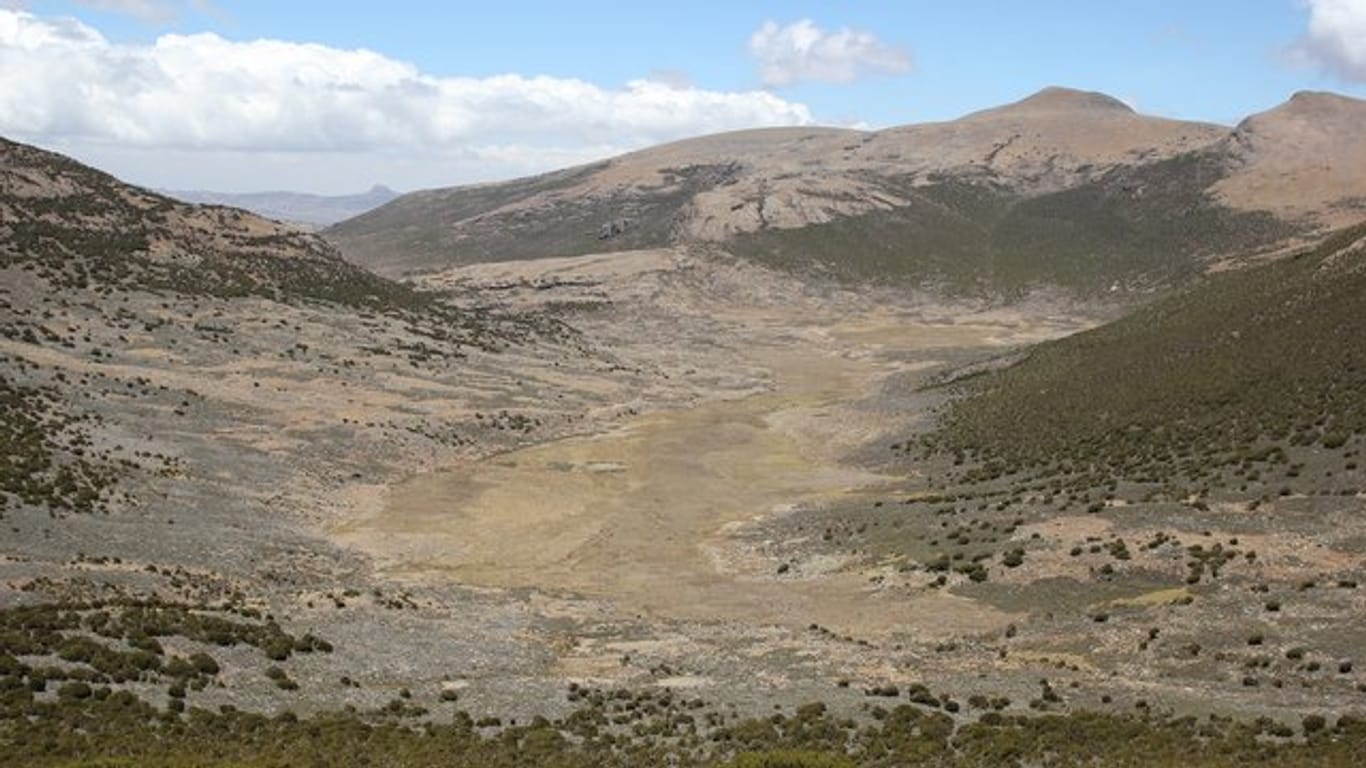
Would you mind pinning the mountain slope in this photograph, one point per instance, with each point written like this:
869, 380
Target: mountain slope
76, 228
1246, 366
1304, 159
1131, 229
106, 288
1063, 186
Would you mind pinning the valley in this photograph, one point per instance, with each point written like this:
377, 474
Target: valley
640, 514
985, 455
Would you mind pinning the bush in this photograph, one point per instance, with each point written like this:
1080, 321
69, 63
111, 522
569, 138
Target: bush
74, 690
278, 648
788, 759
178, 667
204, 664
1335, 440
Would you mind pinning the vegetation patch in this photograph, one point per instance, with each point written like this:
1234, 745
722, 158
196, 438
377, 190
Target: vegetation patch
43, 452
1238, 372
98, 727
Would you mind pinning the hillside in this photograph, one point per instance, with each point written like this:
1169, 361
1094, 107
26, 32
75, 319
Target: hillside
1064, 187
77, 228
108, 288
1175, 495
1302, 160
1247, 366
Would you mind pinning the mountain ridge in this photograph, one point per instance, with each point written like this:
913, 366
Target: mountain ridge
779, 183
66, 226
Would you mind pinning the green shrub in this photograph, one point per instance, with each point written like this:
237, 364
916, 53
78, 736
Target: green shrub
788, 759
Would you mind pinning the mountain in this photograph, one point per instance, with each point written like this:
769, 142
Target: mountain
1063, 187
1066, 187
1303, 160
294, 207
77, 228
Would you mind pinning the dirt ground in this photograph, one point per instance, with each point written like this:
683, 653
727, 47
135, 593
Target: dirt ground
652, 514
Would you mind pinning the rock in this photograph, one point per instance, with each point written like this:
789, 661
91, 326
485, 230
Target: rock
613, 228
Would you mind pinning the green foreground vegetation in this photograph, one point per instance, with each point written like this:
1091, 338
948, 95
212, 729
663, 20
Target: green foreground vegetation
116, 729
80, 685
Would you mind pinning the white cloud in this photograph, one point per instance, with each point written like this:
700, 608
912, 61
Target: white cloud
1336, 38
66, 85
151, 11
804, 51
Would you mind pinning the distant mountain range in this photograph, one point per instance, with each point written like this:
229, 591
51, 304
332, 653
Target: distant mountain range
312, 211
1065, 187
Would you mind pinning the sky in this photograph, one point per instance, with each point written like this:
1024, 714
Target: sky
335, 97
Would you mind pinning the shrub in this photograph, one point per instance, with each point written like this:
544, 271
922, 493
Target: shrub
790, 759
278, 648
204, 664
74, 690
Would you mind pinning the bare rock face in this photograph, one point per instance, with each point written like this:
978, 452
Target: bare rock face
1052, 140
613, 228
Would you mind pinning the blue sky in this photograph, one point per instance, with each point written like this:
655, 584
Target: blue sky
848, 63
